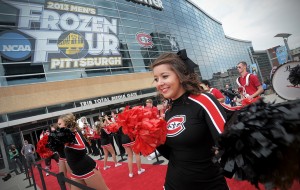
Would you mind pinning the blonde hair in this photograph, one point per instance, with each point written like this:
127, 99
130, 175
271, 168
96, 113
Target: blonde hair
70, 121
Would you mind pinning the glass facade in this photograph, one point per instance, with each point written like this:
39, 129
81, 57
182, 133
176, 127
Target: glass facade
111, 37
42, 41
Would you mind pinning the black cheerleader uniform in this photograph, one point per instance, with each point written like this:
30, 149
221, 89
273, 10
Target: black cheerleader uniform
125, 140
81, 164
105, 138
193, 122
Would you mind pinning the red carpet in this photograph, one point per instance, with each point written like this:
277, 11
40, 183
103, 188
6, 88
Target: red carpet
152, 179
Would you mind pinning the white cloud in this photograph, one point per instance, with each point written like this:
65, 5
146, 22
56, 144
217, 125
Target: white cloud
257, 20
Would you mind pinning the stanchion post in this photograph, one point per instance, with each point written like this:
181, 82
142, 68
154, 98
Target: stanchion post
61, 180
39, 166
32, 175
157, 160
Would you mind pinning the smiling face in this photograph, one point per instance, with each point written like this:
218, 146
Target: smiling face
167, 82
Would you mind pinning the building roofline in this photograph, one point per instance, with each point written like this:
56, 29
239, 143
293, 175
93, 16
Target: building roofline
260, 51
217, 22
204, 12
237, 39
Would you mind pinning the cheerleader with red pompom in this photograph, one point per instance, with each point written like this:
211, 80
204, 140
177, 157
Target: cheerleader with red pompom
44, 151
106, 128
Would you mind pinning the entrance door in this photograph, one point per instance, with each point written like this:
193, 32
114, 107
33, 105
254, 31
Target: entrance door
92, 118
33, 137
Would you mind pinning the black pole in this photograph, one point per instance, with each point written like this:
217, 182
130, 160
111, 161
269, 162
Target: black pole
157, 160
27, 173
32, 175
61, 180
39, 166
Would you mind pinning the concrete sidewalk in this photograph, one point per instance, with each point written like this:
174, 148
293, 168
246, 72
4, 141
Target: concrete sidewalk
16, 182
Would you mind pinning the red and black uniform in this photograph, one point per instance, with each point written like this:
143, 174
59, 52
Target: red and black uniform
194, 123
81, 164
125, 140
105, 138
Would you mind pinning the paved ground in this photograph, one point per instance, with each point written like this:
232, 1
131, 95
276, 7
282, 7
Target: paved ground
17, 182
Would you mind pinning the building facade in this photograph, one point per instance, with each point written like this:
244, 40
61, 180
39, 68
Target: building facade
264, 65
91, 57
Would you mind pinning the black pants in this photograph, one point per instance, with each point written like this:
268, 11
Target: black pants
94, 147
55, 157
17, 162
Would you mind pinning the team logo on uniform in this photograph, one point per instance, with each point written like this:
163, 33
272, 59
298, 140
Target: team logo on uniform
175, 125
144, 39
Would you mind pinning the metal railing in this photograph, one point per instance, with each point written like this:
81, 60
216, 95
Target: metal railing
60, 177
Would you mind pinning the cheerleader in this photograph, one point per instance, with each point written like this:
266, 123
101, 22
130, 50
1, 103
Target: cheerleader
194, 120
51, 155
105, 143
84, 169
58, 147
127, 144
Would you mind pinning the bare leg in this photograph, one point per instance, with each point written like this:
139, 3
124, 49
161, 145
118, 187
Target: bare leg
138, 161
64, 167
105, 156
113, 154
129, 158
96, 181
81, 181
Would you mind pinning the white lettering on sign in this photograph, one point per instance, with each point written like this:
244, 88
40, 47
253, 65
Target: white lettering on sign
16, 48
66, 63
152, 3
67, 35
108, 99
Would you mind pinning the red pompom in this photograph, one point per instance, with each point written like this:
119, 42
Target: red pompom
42, 150
142, 126
113, 127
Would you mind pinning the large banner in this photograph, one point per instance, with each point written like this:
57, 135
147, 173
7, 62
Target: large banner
281, 54
253, 69
62, 34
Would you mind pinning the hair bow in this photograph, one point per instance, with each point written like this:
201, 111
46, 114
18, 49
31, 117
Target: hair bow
189, 63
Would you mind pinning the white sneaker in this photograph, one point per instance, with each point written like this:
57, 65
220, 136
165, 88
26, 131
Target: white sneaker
118, 164
141, 171
47, 174
106, 167
130, 175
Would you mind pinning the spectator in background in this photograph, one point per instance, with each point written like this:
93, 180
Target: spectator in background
265, 87
28, 151
86, 131
230, 95
214, 91
15, 158
150, 106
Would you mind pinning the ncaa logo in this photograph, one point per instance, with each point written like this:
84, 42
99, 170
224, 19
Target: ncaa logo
15, 46
144, 39
175, 125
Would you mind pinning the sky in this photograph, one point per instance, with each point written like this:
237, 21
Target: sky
257, 20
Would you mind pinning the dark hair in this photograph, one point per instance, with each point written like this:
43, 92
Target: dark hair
205, 82
189, 80
243, 63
